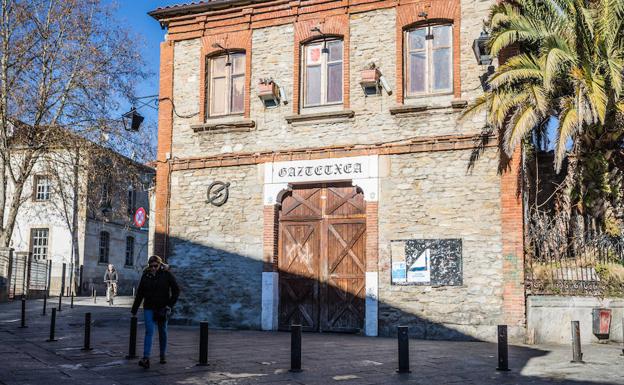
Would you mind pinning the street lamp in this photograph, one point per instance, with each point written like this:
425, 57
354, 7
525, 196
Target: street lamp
481, 50
132, 120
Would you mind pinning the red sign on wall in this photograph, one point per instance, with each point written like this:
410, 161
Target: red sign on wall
139, 217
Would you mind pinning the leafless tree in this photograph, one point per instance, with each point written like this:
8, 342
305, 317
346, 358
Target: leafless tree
64, 64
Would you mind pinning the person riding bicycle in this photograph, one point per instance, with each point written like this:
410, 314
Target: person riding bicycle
110, 277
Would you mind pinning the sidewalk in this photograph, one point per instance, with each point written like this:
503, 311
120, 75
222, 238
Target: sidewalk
254, 357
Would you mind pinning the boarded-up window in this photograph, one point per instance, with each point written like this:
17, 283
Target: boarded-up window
323, 73
429, 60
225, 85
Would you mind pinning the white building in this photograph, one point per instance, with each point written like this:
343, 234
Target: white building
109, 189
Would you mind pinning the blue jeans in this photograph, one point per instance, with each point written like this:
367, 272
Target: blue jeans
149, 333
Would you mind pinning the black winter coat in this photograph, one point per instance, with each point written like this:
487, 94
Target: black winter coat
158, 290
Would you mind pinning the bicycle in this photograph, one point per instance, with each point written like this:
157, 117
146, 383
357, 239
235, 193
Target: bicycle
110, 292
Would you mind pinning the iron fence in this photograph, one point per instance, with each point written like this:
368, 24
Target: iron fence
23, 276
589, 265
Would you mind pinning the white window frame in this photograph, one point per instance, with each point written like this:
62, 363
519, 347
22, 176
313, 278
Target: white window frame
42, 191
229, 75
324, 73
39, 243
429, 59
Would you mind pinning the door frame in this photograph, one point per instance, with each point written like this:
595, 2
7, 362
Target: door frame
276, 184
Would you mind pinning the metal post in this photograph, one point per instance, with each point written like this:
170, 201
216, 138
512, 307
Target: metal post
622, 336
203, 343
577, 355
45, 303
94, 296
87, 332
52, 326
133, 338
60, 299
403, 349
72, 298
503, 349
63, 280
23, 325
295, 348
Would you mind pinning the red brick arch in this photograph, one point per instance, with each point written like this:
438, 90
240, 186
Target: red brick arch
239, 41
335, 26
438, 11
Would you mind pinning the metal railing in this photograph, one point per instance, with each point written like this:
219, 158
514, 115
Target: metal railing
588, 265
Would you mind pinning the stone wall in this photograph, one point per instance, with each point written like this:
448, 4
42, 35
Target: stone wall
372, 39
216, 252
434, 196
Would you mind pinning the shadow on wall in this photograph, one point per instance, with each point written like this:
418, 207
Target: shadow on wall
225, 289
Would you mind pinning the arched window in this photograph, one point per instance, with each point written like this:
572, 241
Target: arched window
322, 72
104, 246
225, 84
429, 60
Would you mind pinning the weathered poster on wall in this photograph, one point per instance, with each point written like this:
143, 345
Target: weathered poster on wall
419, 270
399, 274
434, 262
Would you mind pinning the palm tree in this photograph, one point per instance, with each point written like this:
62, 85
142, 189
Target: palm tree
569, 67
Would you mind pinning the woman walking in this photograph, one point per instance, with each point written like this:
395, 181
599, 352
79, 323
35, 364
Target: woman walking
159, 291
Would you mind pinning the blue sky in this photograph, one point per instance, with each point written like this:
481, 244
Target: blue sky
133, 14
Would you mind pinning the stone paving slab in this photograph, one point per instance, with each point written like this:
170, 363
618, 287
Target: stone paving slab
254, 357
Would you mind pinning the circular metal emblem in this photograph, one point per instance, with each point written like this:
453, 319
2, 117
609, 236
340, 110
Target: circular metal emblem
218, 193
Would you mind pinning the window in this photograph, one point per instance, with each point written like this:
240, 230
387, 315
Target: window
225, 84
104, 246
42, 188
39, 244
129, 251
322, 73
131, 201
429, 60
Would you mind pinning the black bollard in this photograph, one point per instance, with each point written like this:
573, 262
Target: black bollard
203, 343
72, 300
94, 296
45, 303
60, 300
87, 333
295, 348
577, 355
23, 324
503, 349
133, 338
52, 325
403, 338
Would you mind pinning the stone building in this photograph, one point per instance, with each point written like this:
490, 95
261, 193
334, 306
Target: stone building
313, 168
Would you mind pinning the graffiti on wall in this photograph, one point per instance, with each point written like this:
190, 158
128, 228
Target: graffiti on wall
430, 262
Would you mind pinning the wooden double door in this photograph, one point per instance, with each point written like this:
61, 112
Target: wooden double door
322, 258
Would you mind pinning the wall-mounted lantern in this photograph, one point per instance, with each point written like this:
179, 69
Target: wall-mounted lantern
132, 120
481, 50
270, 93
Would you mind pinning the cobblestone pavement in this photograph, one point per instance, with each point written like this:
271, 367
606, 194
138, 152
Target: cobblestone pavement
254, 357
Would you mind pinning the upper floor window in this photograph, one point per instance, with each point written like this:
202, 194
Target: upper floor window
322, 73
104, 246
129, 251
225, 84
429, 60
39, 244
42, 188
